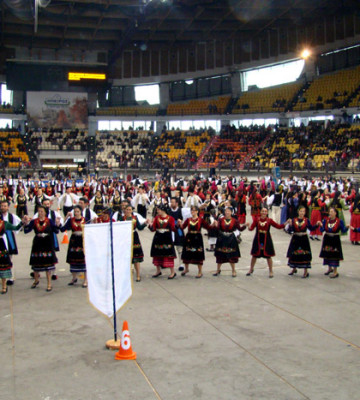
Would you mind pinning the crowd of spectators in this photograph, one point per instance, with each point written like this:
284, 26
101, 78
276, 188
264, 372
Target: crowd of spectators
338, 144
60, 139
125, 149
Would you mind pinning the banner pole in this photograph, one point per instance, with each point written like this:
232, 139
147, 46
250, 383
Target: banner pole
113, 274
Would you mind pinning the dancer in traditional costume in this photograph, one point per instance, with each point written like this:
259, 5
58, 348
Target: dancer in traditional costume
5, 259
75, 254
21, 204
255, 202
115, 202
316, 205
299, 251
331, 250
99, 203
339, 203
178, 236
227, 247
193, 250
138, 254
355, 220
263, 246
162, 248
42, 256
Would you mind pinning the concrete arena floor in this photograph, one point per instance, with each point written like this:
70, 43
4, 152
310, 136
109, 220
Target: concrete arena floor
211, 338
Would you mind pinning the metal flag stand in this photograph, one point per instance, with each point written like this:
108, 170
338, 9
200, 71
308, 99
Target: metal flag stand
113, 344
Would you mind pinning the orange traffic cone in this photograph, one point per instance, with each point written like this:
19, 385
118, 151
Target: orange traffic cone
125, 351
65, 238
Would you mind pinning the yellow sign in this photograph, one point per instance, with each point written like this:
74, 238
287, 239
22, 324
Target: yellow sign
77, 76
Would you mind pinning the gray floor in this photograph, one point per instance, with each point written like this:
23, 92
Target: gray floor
212, 338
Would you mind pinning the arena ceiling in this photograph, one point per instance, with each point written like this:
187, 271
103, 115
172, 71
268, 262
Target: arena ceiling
115, 25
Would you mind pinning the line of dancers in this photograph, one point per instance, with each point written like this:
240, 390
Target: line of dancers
220, 211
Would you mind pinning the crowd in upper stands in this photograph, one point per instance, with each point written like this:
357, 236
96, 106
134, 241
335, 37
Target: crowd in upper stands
122, 149
58, 139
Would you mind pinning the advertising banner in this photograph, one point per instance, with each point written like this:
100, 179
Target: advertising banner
59, 110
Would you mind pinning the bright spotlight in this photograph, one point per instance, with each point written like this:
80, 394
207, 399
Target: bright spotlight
305, 54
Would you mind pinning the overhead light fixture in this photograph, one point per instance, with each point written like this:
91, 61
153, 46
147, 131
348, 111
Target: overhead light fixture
305, 54
189, 82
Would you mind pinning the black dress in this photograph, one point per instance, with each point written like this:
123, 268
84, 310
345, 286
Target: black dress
138, 254
193, 251
42, 256
331, 250
21, 208
299, 251
75, 254
227, 247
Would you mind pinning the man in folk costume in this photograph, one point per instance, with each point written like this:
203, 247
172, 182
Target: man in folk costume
87, 212
178, 235
39, 197
68, 200
192, 200
140, 201
10, 236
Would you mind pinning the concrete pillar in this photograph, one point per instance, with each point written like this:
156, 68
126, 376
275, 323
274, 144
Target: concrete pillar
92, 128
18, 98
159, 126
164, 95
92, 98
310, 71
235, 84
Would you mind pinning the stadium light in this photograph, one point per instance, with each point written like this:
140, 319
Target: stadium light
305, 54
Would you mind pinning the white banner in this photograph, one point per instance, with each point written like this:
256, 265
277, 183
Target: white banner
57, 110
98, 264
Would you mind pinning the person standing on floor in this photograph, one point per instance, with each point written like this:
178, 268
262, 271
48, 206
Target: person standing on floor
193, 250
12, 219
42, 255
331, 250
5, 258
263, 246
162, 247
227, 247
75, 254
299, 252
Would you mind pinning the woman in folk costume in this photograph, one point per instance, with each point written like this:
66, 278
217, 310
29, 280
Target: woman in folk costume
355, 220
138, 254
227, 247
263, 246
316, 205
255, 202
115, 201
5, 259
156, 202
299, 251
193, 250
162, 247
75, 254
331, 250
339, 203
241, 206
99, 202
21, 204
208, 208
86, 190
42, 256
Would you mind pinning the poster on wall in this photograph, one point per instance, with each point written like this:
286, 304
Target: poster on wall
59, 110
